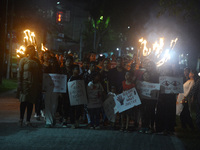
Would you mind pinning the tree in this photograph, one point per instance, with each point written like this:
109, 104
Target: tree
187, 9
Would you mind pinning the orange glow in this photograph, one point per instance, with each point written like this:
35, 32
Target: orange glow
59, 17
43, 48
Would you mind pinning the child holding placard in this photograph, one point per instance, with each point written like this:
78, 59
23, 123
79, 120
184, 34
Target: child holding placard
95, 93
127, 85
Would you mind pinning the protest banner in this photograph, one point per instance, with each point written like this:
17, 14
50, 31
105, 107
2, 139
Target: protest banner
54, 83
170, 85
148, 90
126, 100
77, 92
108, 107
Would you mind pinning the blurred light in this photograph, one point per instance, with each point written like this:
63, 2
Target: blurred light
117, 49
199, 74
101, 55
187, 54
129, 27
58, 3
132, 48
127, 48
101, 18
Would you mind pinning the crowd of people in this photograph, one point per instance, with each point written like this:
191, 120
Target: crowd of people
101, 80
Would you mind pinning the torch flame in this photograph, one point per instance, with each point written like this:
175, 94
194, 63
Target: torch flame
29, 37
43, 48
158, 50
21, 51
146, 51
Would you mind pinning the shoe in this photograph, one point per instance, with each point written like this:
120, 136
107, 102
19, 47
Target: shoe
77, 124
42, 114
122, 129
64, 125
97, 128
54, 122
35, 116
148, 131
73, 126
28, 124
20, 122
142, 130
48, 126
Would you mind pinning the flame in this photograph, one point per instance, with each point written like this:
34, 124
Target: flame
21, 51
146, 51
43, 48
158, 50
29, 37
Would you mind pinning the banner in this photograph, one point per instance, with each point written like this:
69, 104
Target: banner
148, 90
108, 106
126, 100
54, 82
77, 92
171, 84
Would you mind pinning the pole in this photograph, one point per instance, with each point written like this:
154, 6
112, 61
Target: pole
81, 43
9, 67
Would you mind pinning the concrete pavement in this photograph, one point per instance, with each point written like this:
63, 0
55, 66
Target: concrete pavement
14, 137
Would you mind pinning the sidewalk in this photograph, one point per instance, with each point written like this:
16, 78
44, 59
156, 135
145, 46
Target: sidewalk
14, 137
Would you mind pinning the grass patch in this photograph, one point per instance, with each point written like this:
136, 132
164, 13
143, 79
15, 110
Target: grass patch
190, 139
7, 85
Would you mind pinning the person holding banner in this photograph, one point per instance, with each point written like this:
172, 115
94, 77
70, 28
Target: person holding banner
166, 106
127, 84
50, 96
75, 110
95, 93
148, 104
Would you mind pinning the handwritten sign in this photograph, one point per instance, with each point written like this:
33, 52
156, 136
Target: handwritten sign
171, 84
148, 90
108, 106
54, 82
77, 92
126, 100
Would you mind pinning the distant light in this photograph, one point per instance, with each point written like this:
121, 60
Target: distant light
58, 3
127, 48
199, 74
129, 27
101, 55
132, 48
117, 49
187, 54
101, 18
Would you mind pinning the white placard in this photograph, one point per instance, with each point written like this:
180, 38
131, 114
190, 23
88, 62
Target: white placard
77, 92
54, 82
148, 90
108, 106
169, 85
126, 100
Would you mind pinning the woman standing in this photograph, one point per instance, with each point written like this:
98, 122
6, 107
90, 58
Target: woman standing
182, 106
30, 83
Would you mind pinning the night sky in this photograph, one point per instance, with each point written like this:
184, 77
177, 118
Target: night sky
141, 16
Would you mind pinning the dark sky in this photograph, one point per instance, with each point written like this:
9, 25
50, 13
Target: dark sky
142, 17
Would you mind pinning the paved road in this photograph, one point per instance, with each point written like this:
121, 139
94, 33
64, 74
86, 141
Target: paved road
14, 137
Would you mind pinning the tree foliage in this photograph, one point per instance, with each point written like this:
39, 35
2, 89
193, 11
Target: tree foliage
187, 9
